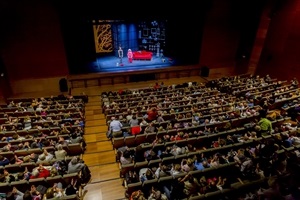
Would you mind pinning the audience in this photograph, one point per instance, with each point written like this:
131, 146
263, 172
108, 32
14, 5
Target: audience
32, 148
218, 124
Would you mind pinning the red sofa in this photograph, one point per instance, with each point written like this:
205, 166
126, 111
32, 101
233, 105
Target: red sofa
142, 55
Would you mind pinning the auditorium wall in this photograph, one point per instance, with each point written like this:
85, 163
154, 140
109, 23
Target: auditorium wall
32, 48
281, 52
229, 34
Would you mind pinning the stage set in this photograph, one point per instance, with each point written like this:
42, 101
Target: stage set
115, 64
131, 51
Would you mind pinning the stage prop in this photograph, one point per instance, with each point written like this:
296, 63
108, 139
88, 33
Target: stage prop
142, 55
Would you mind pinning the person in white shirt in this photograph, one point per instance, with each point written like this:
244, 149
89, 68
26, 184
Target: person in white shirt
115, 128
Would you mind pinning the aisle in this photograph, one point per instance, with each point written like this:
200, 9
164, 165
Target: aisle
100, 157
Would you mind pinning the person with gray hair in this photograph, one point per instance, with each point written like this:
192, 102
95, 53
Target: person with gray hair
74, 166
60, 153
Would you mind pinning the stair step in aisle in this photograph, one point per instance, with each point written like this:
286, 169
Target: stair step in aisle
100, 156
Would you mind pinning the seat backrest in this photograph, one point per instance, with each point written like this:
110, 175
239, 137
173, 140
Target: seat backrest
75, 149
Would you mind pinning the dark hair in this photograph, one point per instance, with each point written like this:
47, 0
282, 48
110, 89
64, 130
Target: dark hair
126, 154
262, 113
27, 195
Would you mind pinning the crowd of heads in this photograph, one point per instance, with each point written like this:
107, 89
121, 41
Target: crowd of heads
245, 124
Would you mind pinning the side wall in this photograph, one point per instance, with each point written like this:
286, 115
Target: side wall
280, 55
229, 34
33, 46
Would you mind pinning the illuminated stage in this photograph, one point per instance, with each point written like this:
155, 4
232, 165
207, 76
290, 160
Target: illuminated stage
113, 64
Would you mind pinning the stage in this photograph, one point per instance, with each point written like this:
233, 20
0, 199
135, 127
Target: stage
109, 70
114, 64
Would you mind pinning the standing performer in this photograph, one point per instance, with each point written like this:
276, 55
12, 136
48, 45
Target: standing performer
129, 55
120, 53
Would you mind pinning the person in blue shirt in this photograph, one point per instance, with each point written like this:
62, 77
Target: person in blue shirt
201, 162
115, 128
3, 161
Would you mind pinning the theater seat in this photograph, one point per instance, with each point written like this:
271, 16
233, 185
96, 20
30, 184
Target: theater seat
37, 181
67, 178
55, 179
70, 197
5, 187
22, 185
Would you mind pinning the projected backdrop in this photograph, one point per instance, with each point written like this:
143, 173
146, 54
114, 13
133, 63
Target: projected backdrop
144, 35
156, 43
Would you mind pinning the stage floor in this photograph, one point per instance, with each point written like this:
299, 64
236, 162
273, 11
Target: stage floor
112, 64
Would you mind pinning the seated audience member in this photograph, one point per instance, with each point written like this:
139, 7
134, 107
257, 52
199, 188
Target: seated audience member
8, 177
15, 194
156, 194
273, 192
163, 170
27, 123
74, 165
152, 114
187, 165
75, 138
3, 161
18, 160
143, 122
33, 157
160, 118
45, 156
62, 141
146, 174
191, 185
40, 172
264, 125
56, 191
32, 194
60, 153
176, 169
150, 128
133, 121
139, 154
126, 157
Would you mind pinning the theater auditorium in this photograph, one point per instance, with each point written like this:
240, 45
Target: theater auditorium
149, 100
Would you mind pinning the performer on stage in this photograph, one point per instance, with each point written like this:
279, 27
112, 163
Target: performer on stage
129, 55
120, 53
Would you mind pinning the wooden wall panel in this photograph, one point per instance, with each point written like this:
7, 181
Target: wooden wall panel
220, 38
280, 55
33, 46
42, 85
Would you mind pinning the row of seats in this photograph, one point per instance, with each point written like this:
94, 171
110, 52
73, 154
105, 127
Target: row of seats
202, 144
236, 125
75, 149
221, 170
34, 131
71, 149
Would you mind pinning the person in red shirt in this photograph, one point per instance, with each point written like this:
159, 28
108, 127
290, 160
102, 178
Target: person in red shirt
152, 114
41, 172
156, 86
